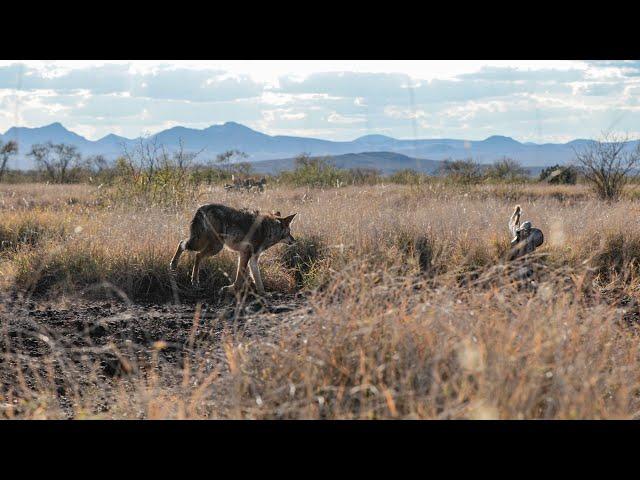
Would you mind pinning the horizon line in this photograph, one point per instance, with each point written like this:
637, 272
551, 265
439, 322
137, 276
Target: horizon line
285, 135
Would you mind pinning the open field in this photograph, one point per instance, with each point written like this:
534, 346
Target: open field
396, 302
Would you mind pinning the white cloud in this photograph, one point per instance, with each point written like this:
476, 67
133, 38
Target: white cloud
293, 116
394, 111
336, 99
343, 119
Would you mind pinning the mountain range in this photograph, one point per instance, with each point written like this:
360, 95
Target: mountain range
385, 162
259, 146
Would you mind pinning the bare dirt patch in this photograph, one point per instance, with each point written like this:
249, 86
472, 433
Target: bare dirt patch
89, 346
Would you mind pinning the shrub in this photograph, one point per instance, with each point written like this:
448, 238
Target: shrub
465, 172
507, 170
147, 173
314, 172
362, 176
559, 175
408, 177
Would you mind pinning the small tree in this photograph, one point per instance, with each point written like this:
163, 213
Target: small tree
559, 175
462, 171
55, 160
607, 164
507, 170
96, 163
243, 168
304, 160
7, 150
97, 167
225, 159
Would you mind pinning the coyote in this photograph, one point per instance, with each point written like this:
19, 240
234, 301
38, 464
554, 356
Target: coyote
246, 184
215, 226
525, 238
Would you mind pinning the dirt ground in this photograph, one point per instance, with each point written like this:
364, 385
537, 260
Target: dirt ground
86, 344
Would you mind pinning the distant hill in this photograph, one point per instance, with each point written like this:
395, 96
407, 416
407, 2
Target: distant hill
259, 146
385, 162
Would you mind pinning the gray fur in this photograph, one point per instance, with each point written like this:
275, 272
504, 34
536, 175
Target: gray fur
248, 233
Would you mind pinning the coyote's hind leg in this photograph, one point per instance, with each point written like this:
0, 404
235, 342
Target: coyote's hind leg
211, 249
198, 241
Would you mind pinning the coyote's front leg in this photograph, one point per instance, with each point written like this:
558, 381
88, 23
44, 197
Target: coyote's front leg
243, 259
255, 273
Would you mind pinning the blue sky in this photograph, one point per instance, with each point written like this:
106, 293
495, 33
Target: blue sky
537, 101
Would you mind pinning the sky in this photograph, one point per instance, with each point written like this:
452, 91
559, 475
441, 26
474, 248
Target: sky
531, 101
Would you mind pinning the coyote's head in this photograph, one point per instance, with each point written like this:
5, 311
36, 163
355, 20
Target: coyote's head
282, 231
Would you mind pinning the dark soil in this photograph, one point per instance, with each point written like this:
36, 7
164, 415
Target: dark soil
53, 348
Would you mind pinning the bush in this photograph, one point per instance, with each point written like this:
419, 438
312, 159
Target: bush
559, 175
363, 176
314, 172
408, 177
465, 172
507, 170
149, 174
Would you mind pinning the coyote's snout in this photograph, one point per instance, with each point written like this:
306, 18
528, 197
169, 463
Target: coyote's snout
216, 226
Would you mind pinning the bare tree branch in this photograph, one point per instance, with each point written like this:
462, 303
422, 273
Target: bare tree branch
56, 160
608, 164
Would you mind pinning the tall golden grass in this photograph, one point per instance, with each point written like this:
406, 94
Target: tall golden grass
408, 309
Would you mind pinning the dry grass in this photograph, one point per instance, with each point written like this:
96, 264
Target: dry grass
412, 313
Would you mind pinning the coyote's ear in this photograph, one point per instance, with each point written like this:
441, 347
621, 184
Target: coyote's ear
287, 220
